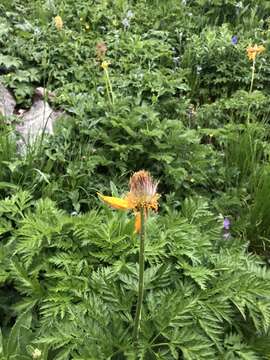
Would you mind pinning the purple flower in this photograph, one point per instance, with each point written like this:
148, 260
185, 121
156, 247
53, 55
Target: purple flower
226, 224
234, 40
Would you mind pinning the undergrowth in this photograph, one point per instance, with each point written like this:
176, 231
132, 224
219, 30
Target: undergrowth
176, 99
204, 297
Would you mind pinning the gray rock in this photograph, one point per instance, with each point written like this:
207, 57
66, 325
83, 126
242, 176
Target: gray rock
7, 101
37, 120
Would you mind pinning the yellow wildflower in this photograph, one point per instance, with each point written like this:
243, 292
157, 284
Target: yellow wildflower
142, 195
252, 51
105, 65
58, 22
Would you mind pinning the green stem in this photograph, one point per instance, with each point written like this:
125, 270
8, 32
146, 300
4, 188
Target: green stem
252, 76
251, 86
141, 274
109, 87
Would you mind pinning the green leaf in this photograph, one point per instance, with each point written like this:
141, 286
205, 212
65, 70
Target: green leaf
10, 61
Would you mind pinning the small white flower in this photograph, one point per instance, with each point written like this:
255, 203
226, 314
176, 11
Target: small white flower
198, 69
239, 5
36, 354
129, 14
100, 89
126, 23
176, 60
37, 30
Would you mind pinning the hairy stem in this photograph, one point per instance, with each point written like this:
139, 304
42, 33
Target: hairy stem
141, 274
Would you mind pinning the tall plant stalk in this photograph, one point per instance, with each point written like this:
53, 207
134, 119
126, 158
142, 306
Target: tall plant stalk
251, 86
141, 279
109, 87
252, 75
142, 195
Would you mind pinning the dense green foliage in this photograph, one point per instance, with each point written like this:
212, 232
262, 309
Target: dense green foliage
204, 299
180, 106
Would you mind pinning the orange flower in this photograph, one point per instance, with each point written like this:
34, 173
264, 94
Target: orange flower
252, 51
142, 195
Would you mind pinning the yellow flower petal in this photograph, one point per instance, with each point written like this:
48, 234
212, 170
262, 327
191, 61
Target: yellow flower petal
260, 49
105, 65
114, 202
252, 51
58, 22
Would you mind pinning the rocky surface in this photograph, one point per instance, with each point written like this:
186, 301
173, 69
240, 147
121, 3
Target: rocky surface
7, 101
33, 122
38, 119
